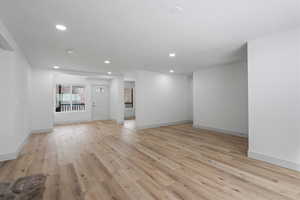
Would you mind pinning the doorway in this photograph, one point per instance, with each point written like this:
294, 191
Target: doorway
100, 102
129, 104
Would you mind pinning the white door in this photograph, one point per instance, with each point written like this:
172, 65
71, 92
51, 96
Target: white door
100, 102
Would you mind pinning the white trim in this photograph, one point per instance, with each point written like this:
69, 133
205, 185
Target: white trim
228, 132
14, 155
72, 122
83, 121
8, 156
275, 161
163, 124
49, 130
73, 111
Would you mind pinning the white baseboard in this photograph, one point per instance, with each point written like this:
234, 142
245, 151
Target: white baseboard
8, 156
71, 122
85, 121
221, 130
49, 130
162, 124
14, 155
275, 161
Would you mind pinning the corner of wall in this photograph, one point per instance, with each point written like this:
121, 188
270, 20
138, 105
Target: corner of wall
14, 155
275, 161
219, 130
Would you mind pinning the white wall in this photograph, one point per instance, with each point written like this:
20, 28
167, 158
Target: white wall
191, 99
161, 99
274, 98
220, 98
42, 116
6, 132
14, 97
117, 99
81, 116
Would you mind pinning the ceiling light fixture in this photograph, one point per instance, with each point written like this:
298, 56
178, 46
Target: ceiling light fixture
172, 55
61, 27
70, 51
107, 62
178, 8
56, 67
171, 71
109, 73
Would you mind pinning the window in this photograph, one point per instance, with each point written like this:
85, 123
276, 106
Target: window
128, 97
70, 98
99, 89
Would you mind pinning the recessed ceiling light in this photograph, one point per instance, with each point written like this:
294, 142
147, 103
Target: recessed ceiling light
56, 67
171, 71
109, 73
107, 62
70, 51
178, 8
61, 27
172, 55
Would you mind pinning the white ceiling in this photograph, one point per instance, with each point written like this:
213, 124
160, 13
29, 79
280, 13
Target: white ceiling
139, 34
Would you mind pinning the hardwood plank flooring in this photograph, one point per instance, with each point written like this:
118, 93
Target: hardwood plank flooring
102, 160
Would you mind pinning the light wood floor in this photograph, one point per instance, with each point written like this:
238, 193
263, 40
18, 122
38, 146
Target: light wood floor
102, 160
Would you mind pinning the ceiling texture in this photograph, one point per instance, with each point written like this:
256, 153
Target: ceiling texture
140, 34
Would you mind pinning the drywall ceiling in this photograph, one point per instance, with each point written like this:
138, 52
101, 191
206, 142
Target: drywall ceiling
139, 34
4, 44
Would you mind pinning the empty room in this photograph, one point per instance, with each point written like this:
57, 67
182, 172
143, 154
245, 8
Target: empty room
142, 100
